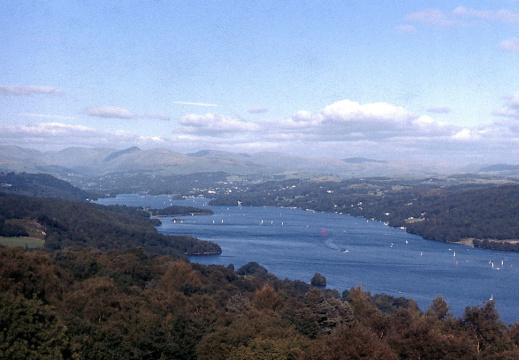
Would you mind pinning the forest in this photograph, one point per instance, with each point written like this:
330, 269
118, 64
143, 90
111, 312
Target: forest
65, 223
175, 210
42, 186
80, 303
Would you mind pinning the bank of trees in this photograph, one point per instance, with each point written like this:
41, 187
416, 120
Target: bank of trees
84, 304
175, 210
63, 224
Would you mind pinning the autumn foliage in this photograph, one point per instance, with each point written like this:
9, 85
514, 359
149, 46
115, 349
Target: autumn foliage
89, 304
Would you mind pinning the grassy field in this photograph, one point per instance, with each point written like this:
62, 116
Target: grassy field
22, 241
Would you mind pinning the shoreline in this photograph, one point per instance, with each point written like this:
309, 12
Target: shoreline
470, 241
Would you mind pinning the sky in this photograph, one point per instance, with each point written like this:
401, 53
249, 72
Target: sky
387, 80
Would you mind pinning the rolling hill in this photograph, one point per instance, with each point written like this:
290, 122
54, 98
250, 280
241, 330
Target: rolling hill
103, 161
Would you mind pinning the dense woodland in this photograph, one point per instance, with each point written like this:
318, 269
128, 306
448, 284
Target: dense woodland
175, 210
89, 304
433, 210
64, 223
40, 185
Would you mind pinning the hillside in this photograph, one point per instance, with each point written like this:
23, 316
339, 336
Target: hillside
40, 185
64, 224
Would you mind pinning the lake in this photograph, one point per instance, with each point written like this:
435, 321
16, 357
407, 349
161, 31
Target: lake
348, 251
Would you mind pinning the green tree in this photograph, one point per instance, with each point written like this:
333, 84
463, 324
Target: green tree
438, 309
489, 334
29, 329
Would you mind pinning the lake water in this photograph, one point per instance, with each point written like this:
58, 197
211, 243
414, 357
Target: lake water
348, 251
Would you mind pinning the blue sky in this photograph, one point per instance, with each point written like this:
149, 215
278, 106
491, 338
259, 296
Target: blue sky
421, 80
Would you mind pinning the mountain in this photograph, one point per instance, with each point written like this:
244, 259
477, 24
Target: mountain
92, 162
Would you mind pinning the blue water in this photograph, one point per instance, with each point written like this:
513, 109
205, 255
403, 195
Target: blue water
348, 251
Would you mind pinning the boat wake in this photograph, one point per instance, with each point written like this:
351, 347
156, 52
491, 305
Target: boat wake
330, 244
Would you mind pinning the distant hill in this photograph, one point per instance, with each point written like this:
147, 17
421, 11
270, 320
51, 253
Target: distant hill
116, 154
40, 185
360, 160
93, 162
499, 168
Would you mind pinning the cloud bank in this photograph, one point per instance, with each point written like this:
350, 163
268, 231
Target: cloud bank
341, 129
510, 108
121, 113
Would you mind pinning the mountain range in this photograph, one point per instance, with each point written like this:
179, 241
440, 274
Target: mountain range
102, 161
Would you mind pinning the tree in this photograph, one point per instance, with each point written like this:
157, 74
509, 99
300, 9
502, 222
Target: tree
353, 341
438, 309
488, 332
329, 313
29, 329
266, 298
318, 280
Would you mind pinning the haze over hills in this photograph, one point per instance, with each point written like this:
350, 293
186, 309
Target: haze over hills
102, 161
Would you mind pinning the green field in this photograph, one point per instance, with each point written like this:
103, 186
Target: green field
22, 241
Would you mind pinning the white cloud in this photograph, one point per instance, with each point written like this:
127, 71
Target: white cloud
344, 127
215, 125
462, 16
504, 16
347, 120
509, 45
466, 134
406, 29
257, 110
29, 90
510, 108
56, 135
155, 116
431, 16
347, 110
46, 131
110, 112
121, 113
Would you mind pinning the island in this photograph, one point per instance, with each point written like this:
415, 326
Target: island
180, 211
